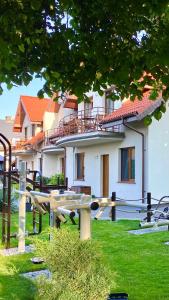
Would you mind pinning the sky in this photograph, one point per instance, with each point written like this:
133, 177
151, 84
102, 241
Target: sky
9, 99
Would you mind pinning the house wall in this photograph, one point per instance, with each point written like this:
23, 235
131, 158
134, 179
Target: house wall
64, 112
98, 101
51, 164
70, 165
158, 156
33, 162
93, 167
28, 124
50, 121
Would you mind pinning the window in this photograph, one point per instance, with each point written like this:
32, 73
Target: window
26, 133
128, 164
109, 104
79, 157
88, 107
33, 129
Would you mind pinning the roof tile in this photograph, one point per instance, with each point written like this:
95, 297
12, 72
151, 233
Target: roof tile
35, 140
130, 108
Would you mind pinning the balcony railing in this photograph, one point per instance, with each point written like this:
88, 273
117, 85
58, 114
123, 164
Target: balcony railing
81, 122
20, 145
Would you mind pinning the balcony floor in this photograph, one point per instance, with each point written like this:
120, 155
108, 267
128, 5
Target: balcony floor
90, 138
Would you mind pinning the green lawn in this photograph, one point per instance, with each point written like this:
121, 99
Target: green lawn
141, 262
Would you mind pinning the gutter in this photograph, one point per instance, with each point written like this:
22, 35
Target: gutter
143, 155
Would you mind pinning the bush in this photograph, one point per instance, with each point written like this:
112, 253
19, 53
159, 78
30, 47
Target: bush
56, 178
53, 180
76, 266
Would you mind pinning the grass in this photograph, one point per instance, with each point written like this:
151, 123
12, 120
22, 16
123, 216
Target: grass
140, 262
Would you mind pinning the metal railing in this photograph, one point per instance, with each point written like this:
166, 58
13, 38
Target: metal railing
80, 122
20, 145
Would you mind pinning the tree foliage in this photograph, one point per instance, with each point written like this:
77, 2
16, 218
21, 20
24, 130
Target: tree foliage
79, 45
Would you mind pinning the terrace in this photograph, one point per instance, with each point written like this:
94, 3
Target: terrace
79, 123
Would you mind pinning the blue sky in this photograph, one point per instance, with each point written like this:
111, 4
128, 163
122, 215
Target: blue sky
9, 99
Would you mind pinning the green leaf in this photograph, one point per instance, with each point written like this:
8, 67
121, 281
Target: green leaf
157, 115
21, 48
153, 95
9, 86
147, 120
100, 92
40, 94
162, 108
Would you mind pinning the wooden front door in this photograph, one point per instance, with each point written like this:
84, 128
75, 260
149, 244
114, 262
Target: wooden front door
105, 175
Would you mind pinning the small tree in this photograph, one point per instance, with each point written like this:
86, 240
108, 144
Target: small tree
78, 272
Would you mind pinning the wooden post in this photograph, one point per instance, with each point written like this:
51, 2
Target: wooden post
85, 224
148, 207
22, 207
113, 209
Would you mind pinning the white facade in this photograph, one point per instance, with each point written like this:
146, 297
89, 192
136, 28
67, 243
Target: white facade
152, 177
158, 156
93, 173
52, 164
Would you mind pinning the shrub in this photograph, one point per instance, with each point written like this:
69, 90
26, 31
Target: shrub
56, 178
53, 180
76, 266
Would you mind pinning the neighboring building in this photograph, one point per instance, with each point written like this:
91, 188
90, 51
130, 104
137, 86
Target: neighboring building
6, 128
34, 118
29, 121
54, 157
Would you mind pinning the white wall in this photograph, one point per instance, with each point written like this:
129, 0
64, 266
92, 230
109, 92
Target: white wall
158, 156
51, 164
70, 165
28, 124
64, 112
93, 165
50, 120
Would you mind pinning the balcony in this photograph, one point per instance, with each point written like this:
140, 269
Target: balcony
81, 122
21, 147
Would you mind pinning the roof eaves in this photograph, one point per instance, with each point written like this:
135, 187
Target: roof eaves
150, 109
23, 105
121, 117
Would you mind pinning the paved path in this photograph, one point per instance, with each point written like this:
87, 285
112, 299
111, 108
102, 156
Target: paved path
122, 212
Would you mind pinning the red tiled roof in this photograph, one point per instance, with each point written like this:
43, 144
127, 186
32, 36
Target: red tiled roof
35, 140
35, 108
132, 108
71, 103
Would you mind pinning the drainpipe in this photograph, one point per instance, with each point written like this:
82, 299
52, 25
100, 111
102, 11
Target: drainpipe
65, 163
143, 155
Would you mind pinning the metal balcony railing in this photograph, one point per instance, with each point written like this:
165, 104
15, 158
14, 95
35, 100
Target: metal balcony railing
20, 145
80, 122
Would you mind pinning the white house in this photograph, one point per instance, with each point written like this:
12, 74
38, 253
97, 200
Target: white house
31, 117
101, 146
36, 119
115, 151
6, 128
